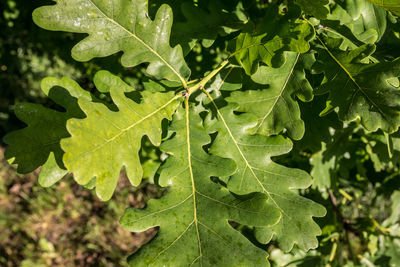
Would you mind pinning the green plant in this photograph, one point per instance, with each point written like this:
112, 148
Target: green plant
222, 135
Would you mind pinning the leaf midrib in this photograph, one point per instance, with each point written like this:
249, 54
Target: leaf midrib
280, 93
242, 155
359, 88
189, 158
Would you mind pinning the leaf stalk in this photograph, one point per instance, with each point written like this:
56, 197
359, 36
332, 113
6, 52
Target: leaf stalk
207, 78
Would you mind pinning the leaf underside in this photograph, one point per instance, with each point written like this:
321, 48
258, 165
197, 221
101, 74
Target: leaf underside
105, 141
193, 216
258, 173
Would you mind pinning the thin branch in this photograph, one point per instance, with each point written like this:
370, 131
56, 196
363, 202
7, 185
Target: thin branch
347, 225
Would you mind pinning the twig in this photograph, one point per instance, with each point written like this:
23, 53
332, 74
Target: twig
347, 225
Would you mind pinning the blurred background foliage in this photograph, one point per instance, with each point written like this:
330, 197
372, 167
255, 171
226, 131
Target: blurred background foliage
66, 225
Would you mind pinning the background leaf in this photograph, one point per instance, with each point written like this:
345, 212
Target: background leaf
391, 5
317, 8
45, 128
205, 21
360, 90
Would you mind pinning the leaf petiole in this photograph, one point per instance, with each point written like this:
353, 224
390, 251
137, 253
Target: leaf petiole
207, 78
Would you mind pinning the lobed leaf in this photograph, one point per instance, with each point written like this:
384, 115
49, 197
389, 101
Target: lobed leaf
318, 8
267, 41
193, 217
360, 90
381, 152
38, 144
321, 169
105, 141
276, 107
256, 172
366, 21
121, 25
319, 129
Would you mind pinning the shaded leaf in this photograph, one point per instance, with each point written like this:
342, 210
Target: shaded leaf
319, 129
318, 8
115, 26
206, 21
321, 169
360, 90
377, 148
394, 217
39, 143
193, 216
227, 80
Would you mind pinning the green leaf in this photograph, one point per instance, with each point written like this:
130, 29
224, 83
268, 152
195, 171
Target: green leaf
193, 217
206, 21
390, 5
258, 173
267, 41
393, 251
321, 169
317, 8
319, 129
115, 26
105, 141
104, 80
360, 90
276, 107
377, 148
38, 144
228, 80
366, 21
394, 217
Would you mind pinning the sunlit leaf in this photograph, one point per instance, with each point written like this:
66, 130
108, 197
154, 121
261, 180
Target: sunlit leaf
105, 141
275, 106
39, 143
258, 173
193, 216
115, 26
267, 41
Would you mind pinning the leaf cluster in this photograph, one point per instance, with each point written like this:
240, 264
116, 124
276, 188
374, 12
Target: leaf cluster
285, 77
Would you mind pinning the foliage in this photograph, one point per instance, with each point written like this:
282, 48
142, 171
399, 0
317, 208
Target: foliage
215, 119
43, 227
